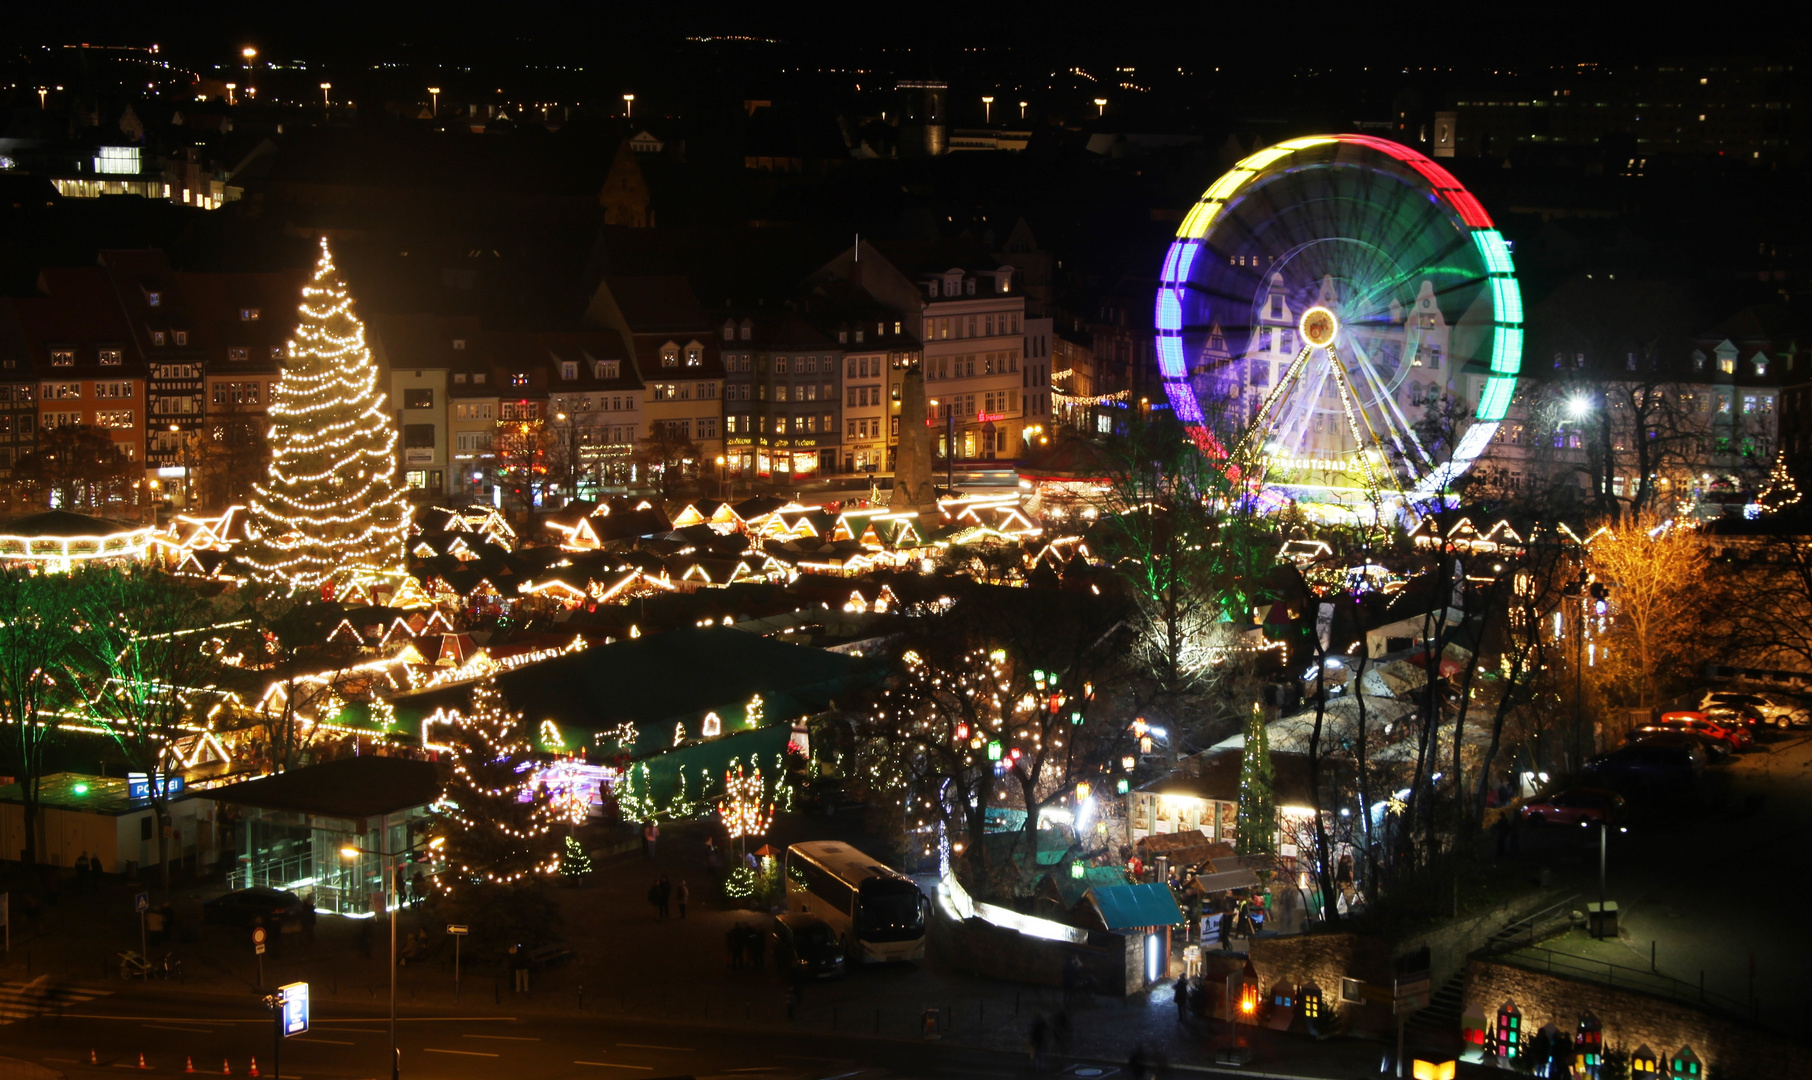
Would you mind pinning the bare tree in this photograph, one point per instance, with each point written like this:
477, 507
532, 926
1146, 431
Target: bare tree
77, 467
146, 664
37, 634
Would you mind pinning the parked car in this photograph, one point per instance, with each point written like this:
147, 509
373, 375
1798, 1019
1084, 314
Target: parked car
1713, 751
241, 906
807, 947
1776, 710
1657, 765
1575, 806
1738, 738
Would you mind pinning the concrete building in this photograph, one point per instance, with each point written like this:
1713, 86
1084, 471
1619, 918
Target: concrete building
676, 349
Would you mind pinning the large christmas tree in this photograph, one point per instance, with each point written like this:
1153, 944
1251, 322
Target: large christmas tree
332, 510
1255, 828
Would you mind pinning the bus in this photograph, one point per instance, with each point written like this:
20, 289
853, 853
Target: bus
877, 911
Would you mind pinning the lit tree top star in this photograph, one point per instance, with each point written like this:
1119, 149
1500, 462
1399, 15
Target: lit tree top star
332, 509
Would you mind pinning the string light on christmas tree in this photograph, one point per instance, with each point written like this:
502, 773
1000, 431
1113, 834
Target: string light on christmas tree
746, 810
499, 824
1780, 491
332, 510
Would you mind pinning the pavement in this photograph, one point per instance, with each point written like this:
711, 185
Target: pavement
1713, 890
641, 995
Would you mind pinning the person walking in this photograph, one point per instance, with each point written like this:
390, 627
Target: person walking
665, 893
519, 963
654, 897
681, 897
1181, 992
651, 836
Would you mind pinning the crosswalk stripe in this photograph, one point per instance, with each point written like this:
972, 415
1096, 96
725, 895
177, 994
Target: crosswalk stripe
18, 999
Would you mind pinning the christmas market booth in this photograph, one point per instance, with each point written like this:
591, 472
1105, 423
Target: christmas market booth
292, 826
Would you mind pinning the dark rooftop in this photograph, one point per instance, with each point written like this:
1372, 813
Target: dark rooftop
354, 787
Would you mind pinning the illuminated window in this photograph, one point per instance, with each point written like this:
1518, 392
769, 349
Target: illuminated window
116, 159
249, 314
157, 337
154, 299
62, 357
182, 337
278, 352
569, 369
237, 353
1509, 1030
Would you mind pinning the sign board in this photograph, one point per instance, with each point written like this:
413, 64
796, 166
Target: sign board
258, 948
141, 903
295, 1007
455, 929
138, 784
258, 935
1409, 1003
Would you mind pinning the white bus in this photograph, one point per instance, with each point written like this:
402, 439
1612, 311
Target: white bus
878, 912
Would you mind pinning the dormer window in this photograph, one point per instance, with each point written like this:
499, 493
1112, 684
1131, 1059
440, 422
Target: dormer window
1698, 361
238, 353
670, 355
248, 314
182, 336
569, 369
459, 376
519, 379
478, 377
607, 369
858, 337
843, 337
931, 289
969, 286
896, 326
747, 329
154, 299
111, 356
695, 355
729, 330
1761, 364
62, 357
1727, 365
157, 337
278, 352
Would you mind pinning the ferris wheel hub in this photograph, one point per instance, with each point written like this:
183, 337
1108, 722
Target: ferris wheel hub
1318, 326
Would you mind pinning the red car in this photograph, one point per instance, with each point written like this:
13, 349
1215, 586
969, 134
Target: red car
1736, 736
1575, 806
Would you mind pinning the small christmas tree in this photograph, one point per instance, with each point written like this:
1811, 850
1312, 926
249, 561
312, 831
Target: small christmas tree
575, 863
331, 510
498, 830
1256, 827
1779, 492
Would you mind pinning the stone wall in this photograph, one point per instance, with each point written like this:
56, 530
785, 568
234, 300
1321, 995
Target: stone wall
1326, 959
1727, 1047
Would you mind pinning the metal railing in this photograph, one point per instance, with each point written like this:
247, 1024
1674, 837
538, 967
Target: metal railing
1521, 933
1618, 977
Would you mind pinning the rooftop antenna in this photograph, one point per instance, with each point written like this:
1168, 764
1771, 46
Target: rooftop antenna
858, 247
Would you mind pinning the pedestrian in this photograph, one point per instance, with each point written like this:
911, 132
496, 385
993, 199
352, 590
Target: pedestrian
682, 897
654, 897
666, 894
1225, 930
94, 868
1181, 992
651, 836
1035, 1039
519, 963
733, 944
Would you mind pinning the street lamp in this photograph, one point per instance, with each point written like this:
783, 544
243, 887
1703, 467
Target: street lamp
1604, 828
949, 445
1100, 106
987, 109
250, 54
434, 95
325, 87
1022, 109
351, 852
230, 88
42, 90
185, 470
628, 105
722, 491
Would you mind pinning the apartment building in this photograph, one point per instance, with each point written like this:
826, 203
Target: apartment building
675, 345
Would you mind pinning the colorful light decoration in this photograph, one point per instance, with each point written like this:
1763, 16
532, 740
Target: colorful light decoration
1394, 248
490, 745
331, 509
746, 811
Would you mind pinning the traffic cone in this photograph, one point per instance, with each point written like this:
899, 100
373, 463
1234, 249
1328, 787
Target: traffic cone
93, 1059
226, 1067
253, 1071
188, 1064
141, 1059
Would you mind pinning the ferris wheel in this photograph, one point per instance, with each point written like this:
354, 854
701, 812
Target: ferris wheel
1338, 321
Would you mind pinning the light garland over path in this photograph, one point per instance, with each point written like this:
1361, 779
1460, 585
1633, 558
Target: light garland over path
332, 510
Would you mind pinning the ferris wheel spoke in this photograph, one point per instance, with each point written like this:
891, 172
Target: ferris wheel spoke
1401, 431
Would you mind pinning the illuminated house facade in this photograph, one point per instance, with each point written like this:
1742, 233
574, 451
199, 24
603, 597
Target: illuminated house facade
675, 345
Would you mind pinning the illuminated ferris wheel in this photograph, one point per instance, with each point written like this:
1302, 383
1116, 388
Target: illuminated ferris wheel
1339, 320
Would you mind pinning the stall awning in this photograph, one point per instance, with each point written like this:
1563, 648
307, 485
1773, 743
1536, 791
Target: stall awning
1226, 881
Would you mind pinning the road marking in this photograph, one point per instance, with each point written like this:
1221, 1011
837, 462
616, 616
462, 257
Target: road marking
511, 1038
462, 1053
651, 1046
609, 1065
352, 1031
166, 1027
843, 1076
21, 999
330, 1042
758, 1068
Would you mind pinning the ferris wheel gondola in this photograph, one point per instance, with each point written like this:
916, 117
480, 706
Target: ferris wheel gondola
1339, 322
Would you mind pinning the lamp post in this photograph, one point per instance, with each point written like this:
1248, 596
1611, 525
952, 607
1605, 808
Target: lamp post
1022, 109
949, 445
1604, 828
351, 852
628, 105
434, 98
1100, 106
230, 88
987, 109
722, 489
325, 87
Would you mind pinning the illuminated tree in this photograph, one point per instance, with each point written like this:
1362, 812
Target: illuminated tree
37, 636
498, 830
746, 809
1656, 571
332, 508
1255, 830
